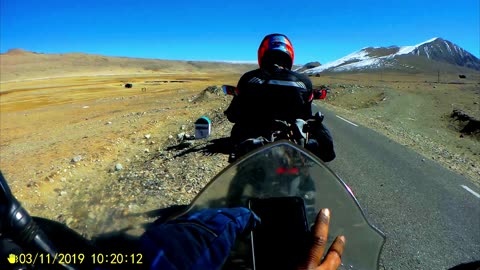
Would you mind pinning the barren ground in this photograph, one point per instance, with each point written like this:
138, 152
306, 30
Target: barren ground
415, 111
45, 123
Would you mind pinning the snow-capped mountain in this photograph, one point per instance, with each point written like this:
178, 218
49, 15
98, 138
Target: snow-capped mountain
406, 57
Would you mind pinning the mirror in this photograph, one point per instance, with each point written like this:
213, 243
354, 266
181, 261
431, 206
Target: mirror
230, 90
319, 93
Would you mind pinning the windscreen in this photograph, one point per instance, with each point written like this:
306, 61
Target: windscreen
283, 169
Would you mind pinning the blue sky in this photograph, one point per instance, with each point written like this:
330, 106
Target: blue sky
232, 30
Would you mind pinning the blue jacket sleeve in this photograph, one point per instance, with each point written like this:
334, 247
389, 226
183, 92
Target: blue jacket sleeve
200, 240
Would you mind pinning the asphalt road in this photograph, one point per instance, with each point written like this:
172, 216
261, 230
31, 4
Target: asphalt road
430, 219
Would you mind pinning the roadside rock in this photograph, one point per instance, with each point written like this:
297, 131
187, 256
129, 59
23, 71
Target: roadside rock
118, 167
76, 159
185, 144
189, 137
473, 124
181, 136
213, 89
460, 115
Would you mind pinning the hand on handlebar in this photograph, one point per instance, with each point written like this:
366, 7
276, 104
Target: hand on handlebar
318, 117
320, 235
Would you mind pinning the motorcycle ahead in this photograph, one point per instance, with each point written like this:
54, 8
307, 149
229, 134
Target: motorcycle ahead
297, 131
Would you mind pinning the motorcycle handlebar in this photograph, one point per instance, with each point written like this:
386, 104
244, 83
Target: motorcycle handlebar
19, 226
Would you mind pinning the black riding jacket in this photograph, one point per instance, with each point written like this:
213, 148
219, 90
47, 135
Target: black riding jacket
275, 94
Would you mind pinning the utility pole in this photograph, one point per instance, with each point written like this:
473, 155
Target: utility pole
438, 76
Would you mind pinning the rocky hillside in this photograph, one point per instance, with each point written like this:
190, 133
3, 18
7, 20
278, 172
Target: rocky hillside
441, 50
429, 55
307, 66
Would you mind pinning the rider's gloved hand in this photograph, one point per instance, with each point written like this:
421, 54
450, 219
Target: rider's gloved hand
200, 240
318, 117
332, 259
315, 121
320, 141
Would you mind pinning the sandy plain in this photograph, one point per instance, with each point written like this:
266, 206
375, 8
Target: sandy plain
47, 122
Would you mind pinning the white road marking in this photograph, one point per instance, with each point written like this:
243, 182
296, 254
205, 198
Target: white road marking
347, 120
471, 191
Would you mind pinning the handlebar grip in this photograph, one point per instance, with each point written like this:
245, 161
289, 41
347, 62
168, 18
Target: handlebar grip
18, 225
33, 237
319, 116
21, 228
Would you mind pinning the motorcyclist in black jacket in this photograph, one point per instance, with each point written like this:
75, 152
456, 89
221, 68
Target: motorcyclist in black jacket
275, 92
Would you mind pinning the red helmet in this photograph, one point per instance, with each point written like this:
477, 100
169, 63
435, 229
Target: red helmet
275, 49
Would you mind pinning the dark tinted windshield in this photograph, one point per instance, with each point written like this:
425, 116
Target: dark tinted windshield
282, 169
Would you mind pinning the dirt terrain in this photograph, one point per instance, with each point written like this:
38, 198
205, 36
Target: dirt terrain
62, 138
414, 110
89, 152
